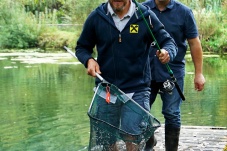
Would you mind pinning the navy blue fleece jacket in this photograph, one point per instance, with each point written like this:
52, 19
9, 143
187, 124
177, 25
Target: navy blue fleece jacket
123, 63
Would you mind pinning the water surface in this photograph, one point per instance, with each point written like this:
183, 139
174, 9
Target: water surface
45, 98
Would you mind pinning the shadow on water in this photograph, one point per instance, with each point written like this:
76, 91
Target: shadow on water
45, 98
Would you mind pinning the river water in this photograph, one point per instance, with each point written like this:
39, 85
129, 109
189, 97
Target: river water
45, 99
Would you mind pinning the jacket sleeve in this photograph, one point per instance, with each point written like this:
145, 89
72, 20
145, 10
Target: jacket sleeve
86, 41
163, 38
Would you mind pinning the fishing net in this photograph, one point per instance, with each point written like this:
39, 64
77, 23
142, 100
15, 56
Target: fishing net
108, 130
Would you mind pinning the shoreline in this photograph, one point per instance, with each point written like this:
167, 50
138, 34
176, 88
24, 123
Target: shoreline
199, 138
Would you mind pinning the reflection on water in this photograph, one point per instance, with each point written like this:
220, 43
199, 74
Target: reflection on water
44, 105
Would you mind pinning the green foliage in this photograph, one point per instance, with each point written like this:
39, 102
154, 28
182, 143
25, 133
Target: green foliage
211, 20
18, 36
210, 5
33, 23
217, 43
209, 29
76, 11
50, 8
18, 29
214, 61
56, 39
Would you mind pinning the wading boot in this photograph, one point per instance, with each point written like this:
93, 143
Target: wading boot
171, 138
150, 143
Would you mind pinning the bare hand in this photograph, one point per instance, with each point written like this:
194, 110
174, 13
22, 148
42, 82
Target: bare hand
163, 56
199, 82
92, 67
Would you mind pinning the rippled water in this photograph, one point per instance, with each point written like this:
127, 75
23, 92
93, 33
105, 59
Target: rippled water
45, 98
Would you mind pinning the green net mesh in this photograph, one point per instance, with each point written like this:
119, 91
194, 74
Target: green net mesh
108, 130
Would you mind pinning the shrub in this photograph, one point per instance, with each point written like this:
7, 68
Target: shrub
18, 29
56, 39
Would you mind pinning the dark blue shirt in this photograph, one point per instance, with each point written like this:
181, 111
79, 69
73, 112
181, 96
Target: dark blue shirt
179, 21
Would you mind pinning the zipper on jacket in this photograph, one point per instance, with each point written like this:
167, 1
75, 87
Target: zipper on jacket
119, 39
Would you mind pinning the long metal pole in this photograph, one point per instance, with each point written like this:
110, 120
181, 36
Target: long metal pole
73, 54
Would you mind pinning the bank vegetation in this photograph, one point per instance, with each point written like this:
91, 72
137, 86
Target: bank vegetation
49, 25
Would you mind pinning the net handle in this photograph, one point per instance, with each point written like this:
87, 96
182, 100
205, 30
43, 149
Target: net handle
73, 54
100, 77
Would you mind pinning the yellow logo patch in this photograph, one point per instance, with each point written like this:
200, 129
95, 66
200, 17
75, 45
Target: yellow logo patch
134, 29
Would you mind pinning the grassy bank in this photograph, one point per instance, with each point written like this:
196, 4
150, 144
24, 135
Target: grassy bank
51, 25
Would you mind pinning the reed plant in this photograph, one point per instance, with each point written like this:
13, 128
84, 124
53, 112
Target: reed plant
211, 20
